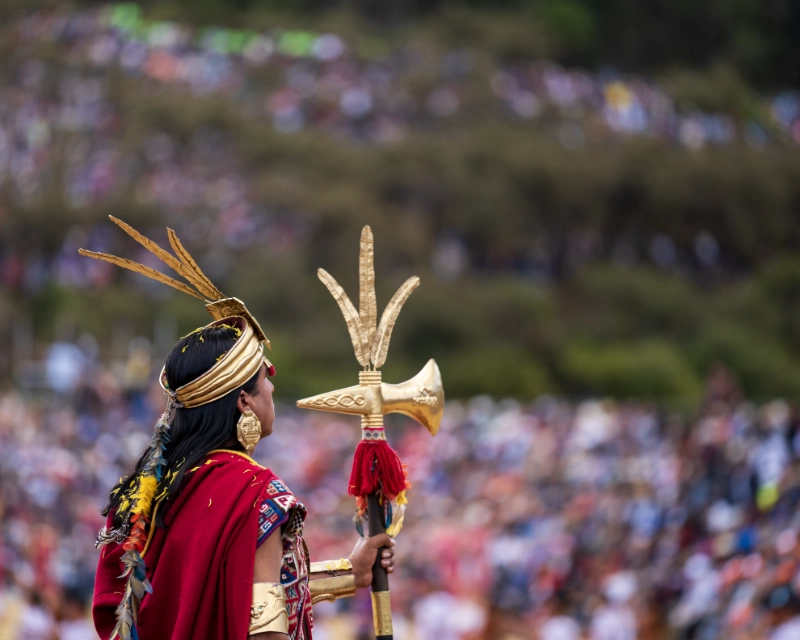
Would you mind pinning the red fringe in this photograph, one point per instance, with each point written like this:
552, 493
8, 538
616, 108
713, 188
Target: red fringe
388, 474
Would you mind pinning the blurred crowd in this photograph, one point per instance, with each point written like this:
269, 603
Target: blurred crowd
557, 520
64, 117
76, 83
562, 520
301, 79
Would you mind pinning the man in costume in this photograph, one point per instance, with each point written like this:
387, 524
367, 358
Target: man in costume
200, 540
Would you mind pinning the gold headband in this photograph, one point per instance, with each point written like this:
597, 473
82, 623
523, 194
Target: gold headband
243, 360
230, 372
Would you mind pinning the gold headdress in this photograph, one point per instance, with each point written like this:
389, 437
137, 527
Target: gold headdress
242, 361
235, 367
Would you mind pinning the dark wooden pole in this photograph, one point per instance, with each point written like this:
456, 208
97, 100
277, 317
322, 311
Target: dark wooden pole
381, 605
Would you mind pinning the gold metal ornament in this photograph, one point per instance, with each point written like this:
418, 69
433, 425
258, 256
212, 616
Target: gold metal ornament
330, 589
382, 613
268, 609
248, 430
231, 370
336, 583
199, 286
331, 566
242, 361
370, 339
421, 397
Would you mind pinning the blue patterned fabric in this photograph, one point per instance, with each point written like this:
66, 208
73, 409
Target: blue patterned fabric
277, 509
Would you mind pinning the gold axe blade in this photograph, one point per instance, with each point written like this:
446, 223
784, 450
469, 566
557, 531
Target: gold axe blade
421, 398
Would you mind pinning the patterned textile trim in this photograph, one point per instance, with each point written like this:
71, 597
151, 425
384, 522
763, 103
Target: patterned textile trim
279, 508
294, 578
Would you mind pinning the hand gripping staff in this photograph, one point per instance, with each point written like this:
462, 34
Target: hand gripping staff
378, 479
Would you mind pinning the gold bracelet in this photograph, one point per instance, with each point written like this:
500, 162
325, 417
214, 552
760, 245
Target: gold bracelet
268, 612
330, 589
331, 566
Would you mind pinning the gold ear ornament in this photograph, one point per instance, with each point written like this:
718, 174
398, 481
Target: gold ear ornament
248, 430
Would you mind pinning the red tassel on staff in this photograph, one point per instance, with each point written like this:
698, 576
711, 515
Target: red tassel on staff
376, 466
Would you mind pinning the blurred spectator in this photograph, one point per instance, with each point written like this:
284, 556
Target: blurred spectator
442, 616
36, 622
783, 608
600, 519
615, 620
560, 625
74, 624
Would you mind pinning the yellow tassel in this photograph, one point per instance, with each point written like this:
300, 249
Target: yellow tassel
399, 514
395, 527
397, 523
144, 495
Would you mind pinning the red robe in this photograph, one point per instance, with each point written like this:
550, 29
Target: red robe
201, 565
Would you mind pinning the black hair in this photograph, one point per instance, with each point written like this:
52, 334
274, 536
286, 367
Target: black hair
193, 432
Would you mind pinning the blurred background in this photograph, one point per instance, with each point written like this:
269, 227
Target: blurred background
602, 198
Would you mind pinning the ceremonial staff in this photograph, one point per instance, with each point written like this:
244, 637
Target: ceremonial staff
378, 479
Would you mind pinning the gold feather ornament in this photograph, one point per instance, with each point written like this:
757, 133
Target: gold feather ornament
199, 286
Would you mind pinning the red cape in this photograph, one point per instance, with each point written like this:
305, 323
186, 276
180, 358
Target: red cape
201, 565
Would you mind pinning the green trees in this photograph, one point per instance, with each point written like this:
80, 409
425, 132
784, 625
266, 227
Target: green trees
620, 265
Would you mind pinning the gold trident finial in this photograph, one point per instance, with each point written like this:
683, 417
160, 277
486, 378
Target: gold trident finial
370, 340
421, 397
